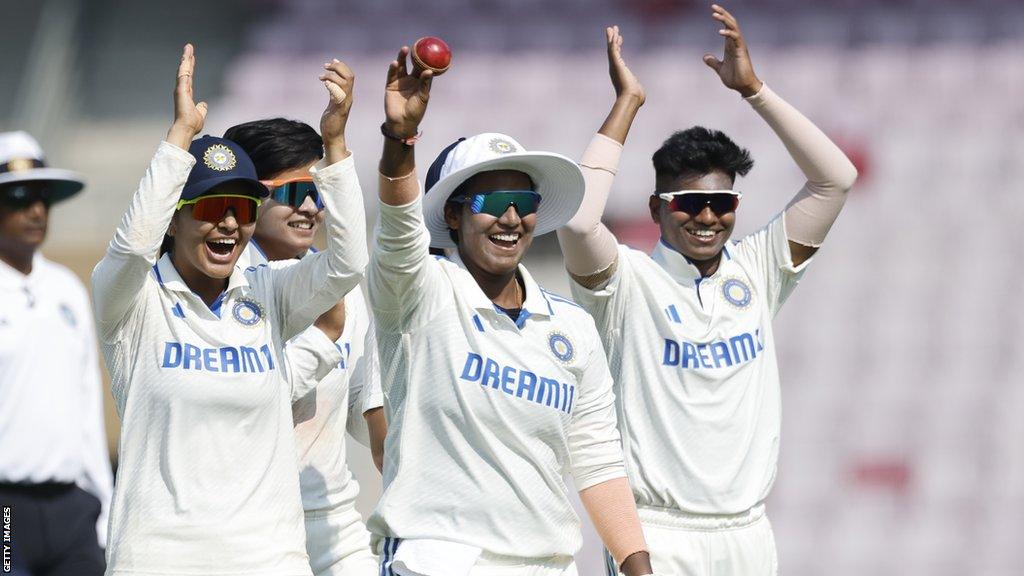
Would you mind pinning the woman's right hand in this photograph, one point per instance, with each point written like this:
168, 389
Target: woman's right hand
625, 82
189, 117
405, 97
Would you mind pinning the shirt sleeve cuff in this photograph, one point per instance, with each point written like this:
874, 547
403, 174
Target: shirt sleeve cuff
323, 170
176, 154
603, 475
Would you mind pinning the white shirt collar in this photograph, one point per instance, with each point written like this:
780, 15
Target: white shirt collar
678, 266
536, 303
10, 277
169, 278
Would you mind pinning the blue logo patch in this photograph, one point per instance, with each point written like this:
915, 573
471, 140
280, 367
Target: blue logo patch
561, 347
737, 293
247, 312
68, 314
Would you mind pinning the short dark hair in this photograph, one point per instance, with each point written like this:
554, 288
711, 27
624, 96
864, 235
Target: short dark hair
698, 151
277, 144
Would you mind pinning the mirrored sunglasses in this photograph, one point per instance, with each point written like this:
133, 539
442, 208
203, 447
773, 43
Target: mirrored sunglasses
693, 202
294, 192
214, 207
497, 203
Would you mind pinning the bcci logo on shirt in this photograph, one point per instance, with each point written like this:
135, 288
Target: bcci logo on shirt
561, 347
247, 312
737, 293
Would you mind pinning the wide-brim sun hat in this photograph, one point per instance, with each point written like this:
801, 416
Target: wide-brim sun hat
556, 178
21, 161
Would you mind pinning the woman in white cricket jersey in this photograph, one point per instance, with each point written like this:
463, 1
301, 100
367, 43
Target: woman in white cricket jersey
283, 151
493, 387
207, 482
688, 328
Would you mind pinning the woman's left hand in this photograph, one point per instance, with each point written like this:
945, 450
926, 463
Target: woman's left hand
735, 70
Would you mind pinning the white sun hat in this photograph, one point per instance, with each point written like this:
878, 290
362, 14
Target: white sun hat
556, 178
21, 160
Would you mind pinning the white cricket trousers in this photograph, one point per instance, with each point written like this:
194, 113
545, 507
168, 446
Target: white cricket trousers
488, 564
338, 543
707, 545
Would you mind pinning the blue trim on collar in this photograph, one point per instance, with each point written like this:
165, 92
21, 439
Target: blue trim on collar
476, 320
215, 306
254, 244
156, 270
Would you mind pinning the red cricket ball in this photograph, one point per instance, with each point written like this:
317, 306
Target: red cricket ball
431, 53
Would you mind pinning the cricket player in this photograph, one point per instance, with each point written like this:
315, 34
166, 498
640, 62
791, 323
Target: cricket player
55, 476
284, 152
688, 327
493, 386
207, 481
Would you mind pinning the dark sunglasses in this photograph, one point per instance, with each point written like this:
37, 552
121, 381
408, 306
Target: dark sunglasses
496, 203
21, 195
213, 208
693, 203
294, 192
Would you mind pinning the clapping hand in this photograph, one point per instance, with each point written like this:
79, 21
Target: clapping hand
189, 117
625, 82
735, 69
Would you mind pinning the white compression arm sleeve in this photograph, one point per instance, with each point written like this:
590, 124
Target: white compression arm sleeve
587, 244
830, 174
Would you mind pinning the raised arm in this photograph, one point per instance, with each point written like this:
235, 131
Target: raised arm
830, 174
321, 280
118, 278
402, 266
588, 246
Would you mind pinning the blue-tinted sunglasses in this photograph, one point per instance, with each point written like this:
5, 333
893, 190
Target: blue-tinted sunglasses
497, 202
294, 192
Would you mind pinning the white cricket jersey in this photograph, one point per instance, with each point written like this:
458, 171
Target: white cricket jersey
484, 414
697, 383
206, 482
322, 411
51, 399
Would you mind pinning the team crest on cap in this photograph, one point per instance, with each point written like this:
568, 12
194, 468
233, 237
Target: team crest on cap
220, 158
561, 347
501, 146
247, 312
737, 293
19, 165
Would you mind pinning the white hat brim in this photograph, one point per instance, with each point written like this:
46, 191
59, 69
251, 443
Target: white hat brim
556, 178
73, 181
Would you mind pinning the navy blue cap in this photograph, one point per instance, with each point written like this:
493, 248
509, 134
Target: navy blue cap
434, 172
219, 160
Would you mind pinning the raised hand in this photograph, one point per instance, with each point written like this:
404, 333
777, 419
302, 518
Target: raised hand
339, 80
189, 117
735, 69
625, 83
405, 96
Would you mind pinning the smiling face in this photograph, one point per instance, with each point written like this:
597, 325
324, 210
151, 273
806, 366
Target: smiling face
701, 237
283, 231
205, 251
492, 245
